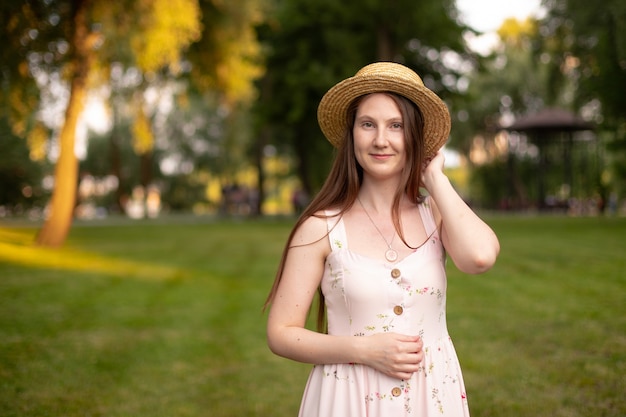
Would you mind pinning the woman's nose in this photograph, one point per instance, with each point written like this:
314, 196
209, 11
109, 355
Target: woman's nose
380, 138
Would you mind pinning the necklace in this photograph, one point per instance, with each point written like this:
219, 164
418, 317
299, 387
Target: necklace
390, 254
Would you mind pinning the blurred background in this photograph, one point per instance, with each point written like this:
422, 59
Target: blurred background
154, 153
153, 107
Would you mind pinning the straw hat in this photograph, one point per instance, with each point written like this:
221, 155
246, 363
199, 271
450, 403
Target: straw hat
384, 77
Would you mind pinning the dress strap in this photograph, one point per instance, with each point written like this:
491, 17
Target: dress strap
426, 211
336, 230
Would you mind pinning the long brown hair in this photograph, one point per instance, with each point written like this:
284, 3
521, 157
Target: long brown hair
344, 180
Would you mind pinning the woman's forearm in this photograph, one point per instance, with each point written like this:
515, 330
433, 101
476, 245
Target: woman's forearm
471, 243
307, 346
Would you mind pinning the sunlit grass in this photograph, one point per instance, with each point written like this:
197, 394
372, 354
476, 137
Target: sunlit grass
78, 341
157, 319
17, 247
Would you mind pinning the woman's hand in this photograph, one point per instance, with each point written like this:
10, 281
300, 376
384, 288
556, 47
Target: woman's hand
393, 354
431, 169
469, 241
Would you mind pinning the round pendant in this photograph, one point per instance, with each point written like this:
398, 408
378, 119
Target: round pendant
391, 255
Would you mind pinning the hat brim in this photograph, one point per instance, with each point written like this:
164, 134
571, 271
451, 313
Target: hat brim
331, 112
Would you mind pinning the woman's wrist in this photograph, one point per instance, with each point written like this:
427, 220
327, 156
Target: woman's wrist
433, 181
359, 349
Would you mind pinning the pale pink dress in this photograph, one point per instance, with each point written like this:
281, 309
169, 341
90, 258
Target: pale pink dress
366, 296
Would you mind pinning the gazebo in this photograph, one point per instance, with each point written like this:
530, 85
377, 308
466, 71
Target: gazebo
543, 129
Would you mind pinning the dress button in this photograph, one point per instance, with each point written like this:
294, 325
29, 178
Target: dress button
396, 391
398, 310
395, 273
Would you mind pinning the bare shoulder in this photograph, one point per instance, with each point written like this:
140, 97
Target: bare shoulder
312, 232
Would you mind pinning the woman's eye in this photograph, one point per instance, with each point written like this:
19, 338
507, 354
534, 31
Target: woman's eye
367, 124
396, 125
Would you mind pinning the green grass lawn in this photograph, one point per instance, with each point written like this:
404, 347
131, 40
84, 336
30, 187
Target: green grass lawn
157, 319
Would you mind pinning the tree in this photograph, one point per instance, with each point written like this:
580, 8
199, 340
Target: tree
225, 63
189, 115
312, 44
507, 83
66, 37
587, 41
20, 176
82, 41
145, 58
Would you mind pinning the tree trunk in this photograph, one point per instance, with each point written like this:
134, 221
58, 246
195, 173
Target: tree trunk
61, 209
145, 169
119, 206
385, 47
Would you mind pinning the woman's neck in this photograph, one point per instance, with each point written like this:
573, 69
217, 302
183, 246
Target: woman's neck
379, 198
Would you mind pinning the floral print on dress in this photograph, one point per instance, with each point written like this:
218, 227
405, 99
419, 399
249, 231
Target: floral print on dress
360, 297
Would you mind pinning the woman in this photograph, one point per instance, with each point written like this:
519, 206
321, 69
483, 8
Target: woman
376, 248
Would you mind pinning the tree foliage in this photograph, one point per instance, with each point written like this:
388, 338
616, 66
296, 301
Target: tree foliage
312, 44
508, 81
74, 45
587, 43
569, 59
227, 58
20, 177
204, 56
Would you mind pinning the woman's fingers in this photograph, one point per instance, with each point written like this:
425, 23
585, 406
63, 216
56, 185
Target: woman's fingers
396, 355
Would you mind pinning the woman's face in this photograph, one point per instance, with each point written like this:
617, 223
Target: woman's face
378, 133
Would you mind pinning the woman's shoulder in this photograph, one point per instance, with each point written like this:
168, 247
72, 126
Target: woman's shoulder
312, 229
